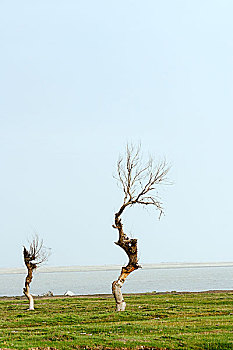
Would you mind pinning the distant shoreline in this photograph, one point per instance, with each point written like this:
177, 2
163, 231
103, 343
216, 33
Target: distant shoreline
178, 265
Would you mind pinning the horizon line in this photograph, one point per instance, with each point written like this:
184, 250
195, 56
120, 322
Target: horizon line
112, 267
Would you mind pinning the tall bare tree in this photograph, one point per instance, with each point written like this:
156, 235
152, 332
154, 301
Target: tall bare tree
33, 258
139, 181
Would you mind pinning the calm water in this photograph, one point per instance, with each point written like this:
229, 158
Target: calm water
147, 280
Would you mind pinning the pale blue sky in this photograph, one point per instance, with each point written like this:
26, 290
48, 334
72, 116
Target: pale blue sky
81, 78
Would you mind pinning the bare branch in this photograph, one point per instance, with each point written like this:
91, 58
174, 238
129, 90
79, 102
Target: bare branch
138, 179
37, 253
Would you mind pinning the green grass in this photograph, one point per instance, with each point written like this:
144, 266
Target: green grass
158, 321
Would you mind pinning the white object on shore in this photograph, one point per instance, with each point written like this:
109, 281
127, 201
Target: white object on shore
48, 294
68, 293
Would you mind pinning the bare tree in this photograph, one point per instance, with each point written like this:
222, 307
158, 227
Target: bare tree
33, 258
138, 181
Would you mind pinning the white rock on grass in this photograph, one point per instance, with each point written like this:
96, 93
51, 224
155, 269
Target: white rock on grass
68, 293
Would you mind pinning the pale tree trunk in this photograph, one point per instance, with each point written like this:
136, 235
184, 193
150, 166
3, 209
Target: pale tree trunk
30, 298
28, 280
130, 247
116, 290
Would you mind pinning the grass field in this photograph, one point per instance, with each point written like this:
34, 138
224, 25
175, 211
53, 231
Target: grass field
151, 321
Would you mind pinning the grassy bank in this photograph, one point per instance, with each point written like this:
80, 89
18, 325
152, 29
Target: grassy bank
160, 321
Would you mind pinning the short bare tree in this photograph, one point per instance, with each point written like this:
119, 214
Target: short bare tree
33, 258
138, 181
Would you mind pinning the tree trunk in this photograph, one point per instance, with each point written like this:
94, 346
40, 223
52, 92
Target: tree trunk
30, 298
116, 291
130, 247
28, 280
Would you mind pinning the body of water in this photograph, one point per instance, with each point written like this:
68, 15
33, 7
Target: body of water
140, 281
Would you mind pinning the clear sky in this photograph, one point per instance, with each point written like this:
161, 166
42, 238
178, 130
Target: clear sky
81, 78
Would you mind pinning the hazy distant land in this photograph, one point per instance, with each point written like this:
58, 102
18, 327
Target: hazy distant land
47, 269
